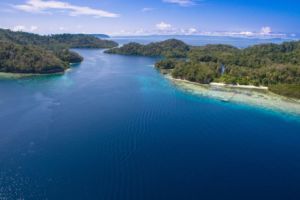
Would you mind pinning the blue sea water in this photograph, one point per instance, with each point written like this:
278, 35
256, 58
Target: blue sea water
113, 128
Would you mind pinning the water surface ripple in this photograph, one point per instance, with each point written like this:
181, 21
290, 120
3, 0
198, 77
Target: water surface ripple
113, 128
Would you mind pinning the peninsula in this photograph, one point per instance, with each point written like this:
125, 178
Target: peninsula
276, 66
22, 52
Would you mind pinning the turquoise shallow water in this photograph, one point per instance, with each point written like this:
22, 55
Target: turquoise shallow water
114, 128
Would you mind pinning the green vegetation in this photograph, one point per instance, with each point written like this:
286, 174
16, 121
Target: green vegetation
274, 65
195, 72
169, 48
22, 52
56, 41
17, 58
82, 41
288, 90
166, 64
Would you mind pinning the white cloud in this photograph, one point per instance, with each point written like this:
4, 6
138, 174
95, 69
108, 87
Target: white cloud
245, 33
265, 33
62, 28
19, 28
183, 3
266, 30
139, 32
24, 28
33, 28
192, 31
162, 26
183, 31
168, 29
42, 6
147, 9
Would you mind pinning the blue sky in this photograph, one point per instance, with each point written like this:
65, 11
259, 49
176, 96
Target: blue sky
140, 17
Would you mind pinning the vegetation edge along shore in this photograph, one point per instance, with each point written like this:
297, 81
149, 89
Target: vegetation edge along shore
28, 53
276, 66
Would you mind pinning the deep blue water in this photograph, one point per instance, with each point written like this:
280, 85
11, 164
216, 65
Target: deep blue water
113, 128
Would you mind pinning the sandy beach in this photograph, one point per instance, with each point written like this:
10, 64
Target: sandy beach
252, 95
239, 86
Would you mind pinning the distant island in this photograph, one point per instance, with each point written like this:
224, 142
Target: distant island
102, 36
276, 66
22, 52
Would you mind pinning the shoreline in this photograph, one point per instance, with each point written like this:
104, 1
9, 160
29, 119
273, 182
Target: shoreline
239, 86
9, 75
216, 84
250, 95
23, 75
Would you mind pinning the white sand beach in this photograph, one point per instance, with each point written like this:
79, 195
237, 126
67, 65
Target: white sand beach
257, 96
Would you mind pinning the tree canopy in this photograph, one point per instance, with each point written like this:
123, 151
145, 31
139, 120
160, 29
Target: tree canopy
22, 52
169, 48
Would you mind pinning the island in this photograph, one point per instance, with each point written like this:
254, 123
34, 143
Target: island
22, 52
102, 36
272, 66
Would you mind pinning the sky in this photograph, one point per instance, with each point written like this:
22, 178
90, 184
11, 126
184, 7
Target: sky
145, 17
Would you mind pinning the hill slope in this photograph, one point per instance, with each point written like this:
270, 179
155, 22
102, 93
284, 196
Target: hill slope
22, 52
168, 48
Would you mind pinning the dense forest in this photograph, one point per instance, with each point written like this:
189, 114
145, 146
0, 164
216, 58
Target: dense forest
28, 59
22, 52
274, 65
169, 48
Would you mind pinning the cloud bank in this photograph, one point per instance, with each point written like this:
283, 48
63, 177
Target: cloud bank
164, 28
41, 6
183, 3
24, 28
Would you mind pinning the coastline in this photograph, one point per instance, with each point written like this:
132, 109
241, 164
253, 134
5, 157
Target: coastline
9, 75
251, 95
239, 86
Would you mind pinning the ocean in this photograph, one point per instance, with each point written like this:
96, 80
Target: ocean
113, 128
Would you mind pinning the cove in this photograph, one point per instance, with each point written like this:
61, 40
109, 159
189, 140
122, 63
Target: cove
114, 128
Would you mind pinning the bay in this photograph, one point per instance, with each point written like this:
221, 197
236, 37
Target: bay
114, 128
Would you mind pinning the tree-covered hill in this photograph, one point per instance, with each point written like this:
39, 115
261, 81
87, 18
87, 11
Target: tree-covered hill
17, 58
169, 48
274, 65
102, 36
65, 40
82, 41
31, 53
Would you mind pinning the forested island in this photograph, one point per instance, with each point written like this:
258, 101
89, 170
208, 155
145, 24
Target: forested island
22, 52
102, 36
276, 66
